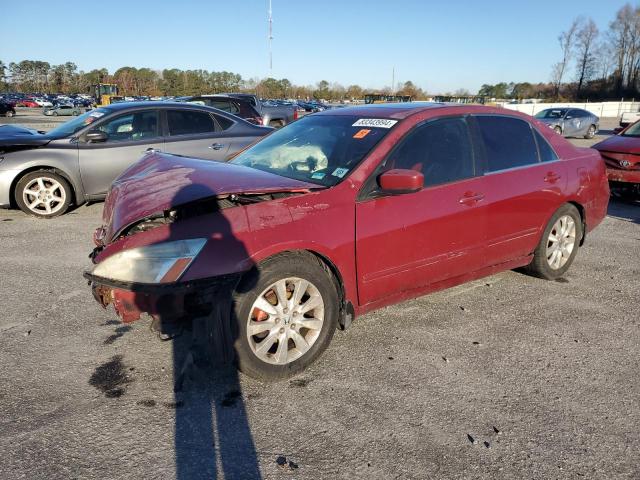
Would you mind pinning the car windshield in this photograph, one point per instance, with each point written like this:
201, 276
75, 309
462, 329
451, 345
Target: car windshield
72, 126
317, 149
632, 131
552, 113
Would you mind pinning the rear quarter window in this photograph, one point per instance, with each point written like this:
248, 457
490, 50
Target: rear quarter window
547, 153
508, 142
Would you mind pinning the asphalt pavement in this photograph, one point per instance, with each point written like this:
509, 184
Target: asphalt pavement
506, 377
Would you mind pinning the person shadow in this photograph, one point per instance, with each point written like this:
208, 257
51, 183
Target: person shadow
212, 431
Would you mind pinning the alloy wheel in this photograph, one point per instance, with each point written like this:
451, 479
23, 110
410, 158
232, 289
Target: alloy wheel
44, 195
285, 320
561, 242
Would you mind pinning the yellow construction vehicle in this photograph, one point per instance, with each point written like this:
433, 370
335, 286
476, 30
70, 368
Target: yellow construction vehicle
105, 94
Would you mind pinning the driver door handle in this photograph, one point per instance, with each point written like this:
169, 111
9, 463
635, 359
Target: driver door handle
216, 146
471, 198
152, 150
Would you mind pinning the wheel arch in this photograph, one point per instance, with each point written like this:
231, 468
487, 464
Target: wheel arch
76, 192
581, 211
347, 310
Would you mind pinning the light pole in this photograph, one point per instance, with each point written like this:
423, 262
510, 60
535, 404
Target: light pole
270, 40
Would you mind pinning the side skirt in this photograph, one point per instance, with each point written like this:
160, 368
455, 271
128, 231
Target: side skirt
448, 283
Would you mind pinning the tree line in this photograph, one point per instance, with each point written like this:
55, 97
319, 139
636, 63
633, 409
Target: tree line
36, 76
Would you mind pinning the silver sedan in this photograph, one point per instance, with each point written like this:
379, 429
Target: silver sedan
570, 122
43, 174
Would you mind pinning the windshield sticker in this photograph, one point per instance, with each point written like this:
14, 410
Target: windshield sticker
375, 122
361, 133
340, 172
96, 114
318, 176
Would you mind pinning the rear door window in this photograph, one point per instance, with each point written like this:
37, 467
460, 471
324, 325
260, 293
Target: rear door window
184, 122
508, 142
441, 150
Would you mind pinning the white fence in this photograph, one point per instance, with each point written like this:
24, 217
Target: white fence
602, 109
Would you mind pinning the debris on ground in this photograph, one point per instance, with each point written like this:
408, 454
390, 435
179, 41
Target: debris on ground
286, 464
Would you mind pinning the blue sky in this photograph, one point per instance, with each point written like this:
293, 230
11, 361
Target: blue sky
440, 45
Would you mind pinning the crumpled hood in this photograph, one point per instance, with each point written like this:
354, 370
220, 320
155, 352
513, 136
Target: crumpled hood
161, 181
619, 144
17, 135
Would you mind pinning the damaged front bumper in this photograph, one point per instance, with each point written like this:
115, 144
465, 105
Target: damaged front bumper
170, 302
624, 176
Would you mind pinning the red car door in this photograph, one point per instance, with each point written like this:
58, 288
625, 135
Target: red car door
524, 183
405, 242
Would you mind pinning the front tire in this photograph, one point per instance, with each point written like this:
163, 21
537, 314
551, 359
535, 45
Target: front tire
286, 313
43, 194
9, 114
591, 132
559, 244
558, 130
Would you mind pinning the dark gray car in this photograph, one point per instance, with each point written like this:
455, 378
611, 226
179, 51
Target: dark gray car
77, 162
570, 122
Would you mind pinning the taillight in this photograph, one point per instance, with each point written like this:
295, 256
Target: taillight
295, 113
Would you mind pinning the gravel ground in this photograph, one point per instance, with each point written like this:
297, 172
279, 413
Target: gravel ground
506, 377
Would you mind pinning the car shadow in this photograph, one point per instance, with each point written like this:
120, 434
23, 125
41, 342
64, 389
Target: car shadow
604, 131
212, 432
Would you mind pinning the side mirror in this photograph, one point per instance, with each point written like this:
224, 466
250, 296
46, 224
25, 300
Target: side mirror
95, 136
400, 180
568, 117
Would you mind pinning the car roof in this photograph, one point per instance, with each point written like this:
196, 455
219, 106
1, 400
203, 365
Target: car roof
387, 110
120, 106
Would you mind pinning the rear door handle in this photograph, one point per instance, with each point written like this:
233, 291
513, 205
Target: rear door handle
471, 198
216, 146
551, 177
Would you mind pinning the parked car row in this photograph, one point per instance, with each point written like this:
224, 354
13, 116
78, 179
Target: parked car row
340, 213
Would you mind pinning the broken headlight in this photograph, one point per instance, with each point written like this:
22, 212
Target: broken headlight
159, 263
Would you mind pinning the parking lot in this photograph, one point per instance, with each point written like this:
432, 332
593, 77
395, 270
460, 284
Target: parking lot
505, 377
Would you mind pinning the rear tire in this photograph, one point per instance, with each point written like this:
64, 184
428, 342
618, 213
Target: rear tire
294, 337
43, 194
558, 245
9, 114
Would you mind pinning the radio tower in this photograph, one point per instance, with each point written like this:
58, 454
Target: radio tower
270, 39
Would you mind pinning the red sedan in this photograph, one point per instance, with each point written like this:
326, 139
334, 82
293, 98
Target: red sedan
621, 154
27, 102
337, 214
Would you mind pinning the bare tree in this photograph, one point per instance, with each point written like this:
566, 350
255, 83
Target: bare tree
566, 40
624, 36
585, 45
